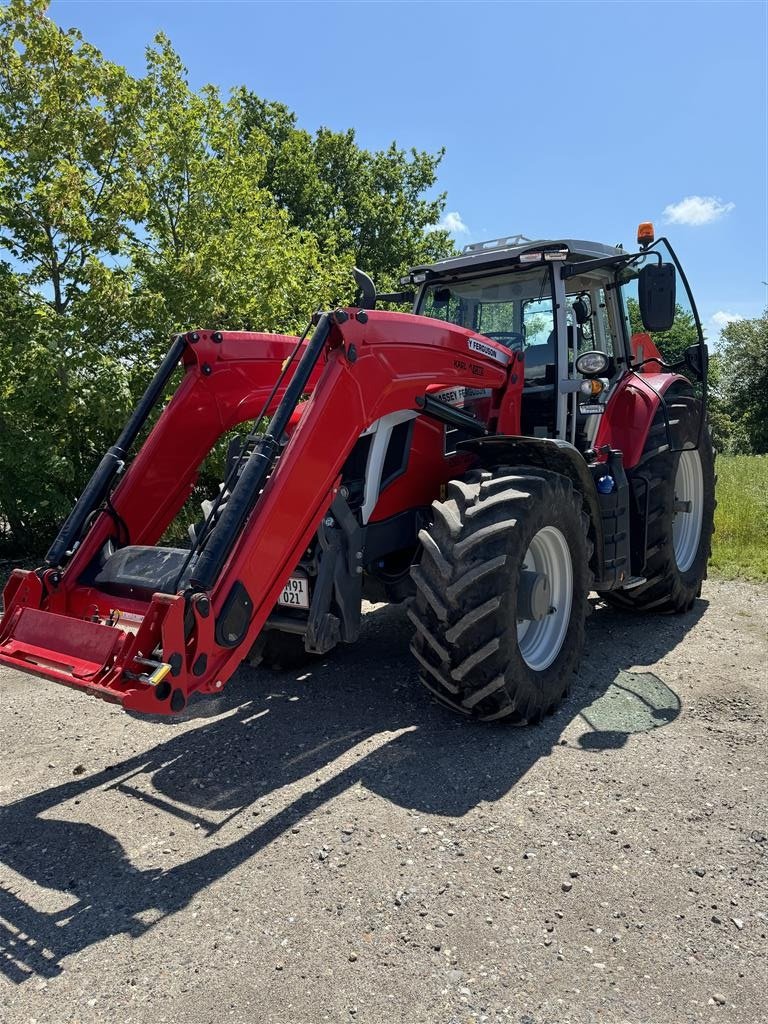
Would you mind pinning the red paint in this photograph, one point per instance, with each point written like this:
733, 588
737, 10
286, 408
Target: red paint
399, 357
643, 347
427, 469
630, 411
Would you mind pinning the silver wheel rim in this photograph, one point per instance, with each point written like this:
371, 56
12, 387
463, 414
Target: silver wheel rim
688, 511
540, 641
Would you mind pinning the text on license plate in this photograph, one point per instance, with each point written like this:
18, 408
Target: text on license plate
295, 593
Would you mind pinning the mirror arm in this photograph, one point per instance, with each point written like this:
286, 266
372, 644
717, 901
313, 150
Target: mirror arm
572, 269
655, 359
406, 296
366, 298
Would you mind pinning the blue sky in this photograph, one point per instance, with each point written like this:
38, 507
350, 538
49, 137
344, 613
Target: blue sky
559, 120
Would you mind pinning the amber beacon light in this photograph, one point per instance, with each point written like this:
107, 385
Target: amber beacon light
645, 234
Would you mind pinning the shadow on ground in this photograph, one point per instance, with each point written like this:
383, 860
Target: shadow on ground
267, 739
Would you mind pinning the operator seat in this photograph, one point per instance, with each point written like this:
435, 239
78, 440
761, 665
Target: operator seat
539, 409
539, 357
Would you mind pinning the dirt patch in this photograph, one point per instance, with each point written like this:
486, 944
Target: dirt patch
329, 845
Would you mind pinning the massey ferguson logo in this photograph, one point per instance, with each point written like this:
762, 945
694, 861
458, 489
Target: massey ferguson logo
487, 350
460, 395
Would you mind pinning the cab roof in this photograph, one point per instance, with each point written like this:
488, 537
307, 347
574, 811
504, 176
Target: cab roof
482, 256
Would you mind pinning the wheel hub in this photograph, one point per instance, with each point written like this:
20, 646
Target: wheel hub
544, 598
533, 595
687, 508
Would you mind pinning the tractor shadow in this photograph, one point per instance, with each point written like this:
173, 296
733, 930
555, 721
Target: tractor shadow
270, 730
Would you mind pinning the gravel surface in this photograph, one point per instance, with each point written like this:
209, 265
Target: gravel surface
329, 845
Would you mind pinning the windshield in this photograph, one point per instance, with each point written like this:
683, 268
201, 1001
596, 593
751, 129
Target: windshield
514, 309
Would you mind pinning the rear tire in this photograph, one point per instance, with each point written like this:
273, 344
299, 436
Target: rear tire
679, 539
493, 536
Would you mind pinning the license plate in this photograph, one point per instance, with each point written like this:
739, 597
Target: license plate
295, 593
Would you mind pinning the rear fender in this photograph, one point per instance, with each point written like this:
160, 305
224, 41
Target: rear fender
630, 412
558, 457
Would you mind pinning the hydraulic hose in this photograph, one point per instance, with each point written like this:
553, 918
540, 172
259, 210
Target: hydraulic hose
246, 491
113, 461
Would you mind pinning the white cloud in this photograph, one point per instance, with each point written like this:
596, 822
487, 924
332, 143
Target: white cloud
697, 210
721, 319
452, 223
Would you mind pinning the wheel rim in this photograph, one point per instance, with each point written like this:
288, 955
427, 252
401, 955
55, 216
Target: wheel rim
540, 641
688, 510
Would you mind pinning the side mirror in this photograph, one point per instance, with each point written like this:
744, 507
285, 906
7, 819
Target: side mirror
581, 310
656, 294
697, 360
441, 296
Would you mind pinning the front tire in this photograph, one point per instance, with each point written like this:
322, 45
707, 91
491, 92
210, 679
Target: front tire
501, 594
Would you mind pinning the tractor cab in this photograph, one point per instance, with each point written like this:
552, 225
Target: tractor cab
581, 314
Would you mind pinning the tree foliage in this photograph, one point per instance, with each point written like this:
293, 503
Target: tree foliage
744, 382
672, 343
67, 192
215, 247
737, 379
368, 206
132, 207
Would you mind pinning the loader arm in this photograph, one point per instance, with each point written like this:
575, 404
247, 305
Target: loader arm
60, 624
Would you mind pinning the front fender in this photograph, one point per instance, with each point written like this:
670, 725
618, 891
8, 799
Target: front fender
631, 410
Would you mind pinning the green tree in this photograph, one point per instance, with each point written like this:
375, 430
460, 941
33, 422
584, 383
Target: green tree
371, 207
215, 248
672, 343
68, 125
67, 198
724, 427
744, 355
133, 207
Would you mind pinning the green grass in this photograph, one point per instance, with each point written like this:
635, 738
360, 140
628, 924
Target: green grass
740, 544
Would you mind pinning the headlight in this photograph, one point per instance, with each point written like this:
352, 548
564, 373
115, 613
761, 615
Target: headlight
592, 363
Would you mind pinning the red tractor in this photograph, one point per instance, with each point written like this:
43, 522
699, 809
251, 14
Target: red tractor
516, 442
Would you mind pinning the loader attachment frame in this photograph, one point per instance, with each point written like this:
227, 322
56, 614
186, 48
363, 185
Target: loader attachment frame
151, 651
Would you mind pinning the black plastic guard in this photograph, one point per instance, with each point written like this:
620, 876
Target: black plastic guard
232, 624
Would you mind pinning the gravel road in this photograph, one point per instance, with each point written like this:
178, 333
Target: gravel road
329, 845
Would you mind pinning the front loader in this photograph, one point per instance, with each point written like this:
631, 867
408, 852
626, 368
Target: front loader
515, 442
